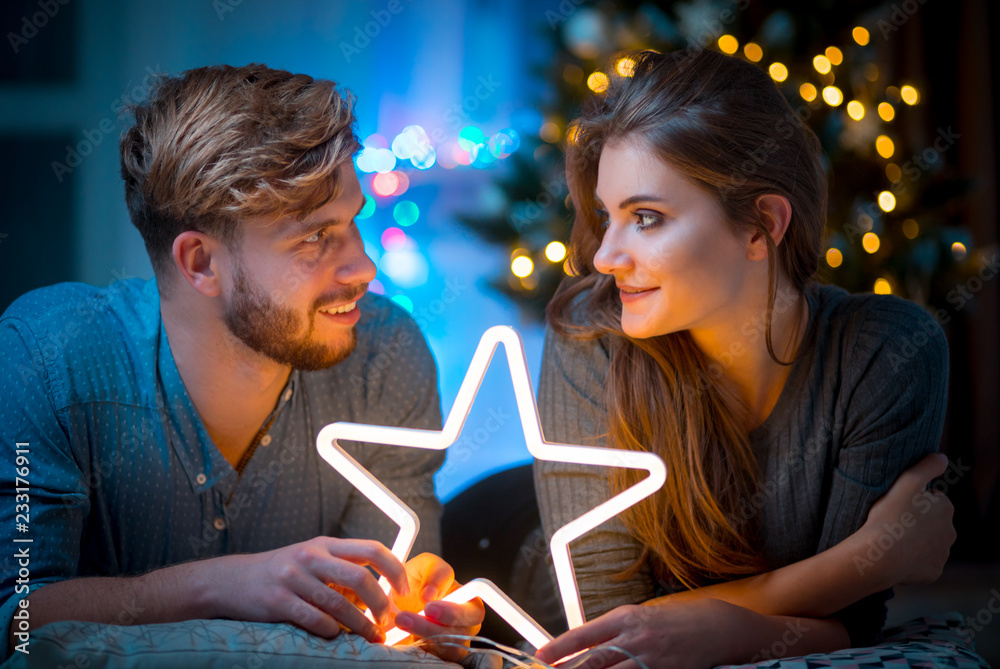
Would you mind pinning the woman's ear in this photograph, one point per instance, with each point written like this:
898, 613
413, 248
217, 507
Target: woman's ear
775, 214
196, 256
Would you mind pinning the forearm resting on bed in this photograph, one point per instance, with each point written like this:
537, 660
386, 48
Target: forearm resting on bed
816, 587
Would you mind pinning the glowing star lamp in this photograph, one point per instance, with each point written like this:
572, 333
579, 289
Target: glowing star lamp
409, 524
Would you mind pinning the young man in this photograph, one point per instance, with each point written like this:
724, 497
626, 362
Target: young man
168, 428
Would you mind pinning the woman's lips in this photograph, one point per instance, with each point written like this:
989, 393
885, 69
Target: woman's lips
627, 297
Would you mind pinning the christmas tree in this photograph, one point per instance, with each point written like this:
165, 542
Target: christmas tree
888, 228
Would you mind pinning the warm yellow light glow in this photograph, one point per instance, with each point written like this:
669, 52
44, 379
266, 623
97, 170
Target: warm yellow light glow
870, 242
832, 96
808, 92
911, 228
573, 134
728, 44
555, 251
834, 257
886, 111
549, 132
568, 268
822, 64
958, 250
909, 95
834, 55
886, 201
882, 287
884, 146
893, 172
860, 35
855, 110
597, 82
778, 71
753, 52
522, 266
625, 66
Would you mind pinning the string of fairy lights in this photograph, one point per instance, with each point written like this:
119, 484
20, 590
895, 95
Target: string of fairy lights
819, 85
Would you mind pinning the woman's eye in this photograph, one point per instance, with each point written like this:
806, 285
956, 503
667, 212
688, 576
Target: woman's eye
645, 221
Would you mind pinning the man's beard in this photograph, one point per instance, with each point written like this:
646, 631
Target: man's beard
267, 327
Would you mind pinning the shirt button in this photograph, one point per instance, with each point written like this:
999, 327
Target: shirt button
288, 394
265, 440
220, 523
200, 479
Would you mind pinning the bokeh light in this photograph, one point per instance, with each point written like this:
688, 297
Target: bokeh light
522, 266
778, 71
958, 250
470, 136
886, 201
385, 184
808, 92
406, 267
404, 301
625, 66
368, 209
870, 242
860, 35
884, 146
886, 111
834, 55
822, 64
834, 258
555, 251
375, 286
729, 44
597, 82
832, 95
855, 110
550, 132
393, 239
883, 287
909, 95
753, 52
893, 173
911, 228
405, 213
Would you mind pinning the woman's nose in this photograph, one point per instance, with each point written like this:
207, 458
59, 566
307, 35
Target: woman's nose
613, 253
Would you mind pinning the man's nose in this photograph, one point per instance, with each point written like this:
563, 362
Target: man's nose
355, 267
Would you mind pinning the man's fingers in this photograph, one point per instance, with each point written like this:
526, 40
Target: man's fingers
318, 596
360, 582
580, 638
376, 555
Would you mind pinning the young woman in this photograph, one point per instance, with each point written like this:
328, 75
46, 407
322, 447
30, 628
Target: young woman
784, 409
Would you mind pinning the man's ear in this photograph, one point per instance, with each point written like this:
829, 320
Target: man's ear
196, 256
775, 214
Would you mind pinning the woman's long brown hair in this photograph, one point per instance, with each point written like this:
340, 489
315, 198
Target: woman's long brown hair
725, 126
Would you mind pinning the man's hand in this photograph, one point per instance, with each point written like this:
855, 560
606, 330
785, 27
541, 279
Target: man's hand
317, 585
431, 578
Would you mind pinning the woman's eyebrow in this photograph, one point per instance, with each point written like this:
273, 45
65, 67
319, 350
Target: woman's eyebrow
640, 198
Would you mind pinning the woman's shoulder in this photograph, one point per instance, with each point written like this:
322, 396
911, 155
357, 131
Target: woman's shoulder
869, 331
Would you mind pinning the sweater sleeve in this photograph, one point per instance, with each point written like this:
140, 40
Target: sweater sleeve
570, 398
894, 410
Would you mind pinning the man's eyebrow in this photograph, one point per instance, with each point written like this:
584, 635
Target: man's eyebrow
306, 229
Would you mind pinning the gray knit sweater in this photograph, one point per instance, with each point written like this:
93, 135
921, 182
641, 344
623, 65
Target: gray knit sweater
865, 401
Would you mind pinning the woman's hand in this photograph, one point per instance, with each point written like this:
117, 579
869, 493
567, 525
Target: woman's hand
909, 529
430, 579
703, 633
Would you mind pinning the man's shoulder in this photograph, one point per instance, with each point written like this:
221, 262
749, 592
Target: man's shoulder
79, 336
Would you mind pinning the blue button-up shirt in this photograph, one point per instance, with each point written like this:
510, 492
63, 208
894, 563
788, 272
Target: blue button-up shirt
121, 475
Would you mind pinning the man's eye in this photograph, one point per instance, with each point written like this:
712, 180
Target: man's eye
315, 237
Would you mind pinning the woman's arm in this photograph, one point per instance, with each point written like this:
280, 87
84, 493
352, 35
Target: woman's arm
906, 539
